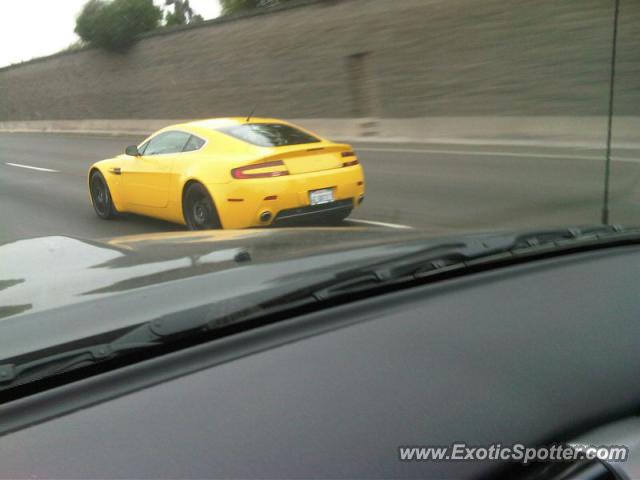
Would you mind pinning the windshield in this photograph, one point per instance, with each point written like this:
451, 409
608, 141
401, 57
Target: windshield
157, 155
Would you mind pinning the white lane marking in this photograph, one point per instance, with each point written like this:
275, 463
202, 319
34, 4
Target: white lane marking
381, 224
40, 169
493, 154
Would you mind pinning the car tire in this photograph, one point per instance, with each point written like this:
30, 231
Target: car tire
101, 196
198, 208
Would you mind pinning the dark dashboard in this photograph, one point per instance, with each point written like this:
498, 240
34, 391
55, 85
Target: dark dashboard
533, 353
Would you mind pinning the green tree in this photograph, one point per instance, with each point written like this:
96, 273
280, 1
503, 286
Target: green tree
115, 24
233, 6
182, 13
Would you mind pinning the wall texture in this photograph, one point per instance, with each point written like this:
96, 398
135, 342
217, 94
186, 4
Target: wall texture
351, 58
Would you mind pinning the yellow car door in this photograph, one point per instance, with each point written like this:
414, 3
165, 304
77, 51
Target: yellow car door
146, 179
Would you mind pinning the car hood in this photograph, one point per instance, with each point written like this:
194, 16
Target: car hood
59, 289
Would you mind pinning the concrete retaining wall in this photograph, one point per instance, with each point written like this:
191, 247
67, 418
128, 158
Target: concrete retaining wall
419, 68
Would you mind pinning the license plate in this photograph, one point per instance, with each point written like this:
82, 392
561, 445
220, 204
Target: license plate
318, 197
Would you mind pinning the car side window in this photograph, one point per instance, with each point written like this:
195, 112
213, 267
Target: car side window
194, 143
166, 142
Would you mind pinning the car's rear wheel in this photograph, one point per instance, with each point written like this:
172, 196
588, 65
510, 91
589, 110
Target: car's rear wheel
198, 208
101, 196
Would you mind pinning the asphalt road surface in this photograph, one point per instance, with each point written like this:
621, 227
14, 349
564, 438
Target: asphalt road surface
440, 188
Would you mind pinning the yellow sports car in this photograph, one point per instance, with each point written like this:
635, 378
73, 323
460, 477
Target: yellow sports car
230, 173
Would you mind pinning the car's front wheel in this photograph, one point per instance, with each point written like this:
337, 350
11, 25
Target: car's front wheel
198, 208
101, 196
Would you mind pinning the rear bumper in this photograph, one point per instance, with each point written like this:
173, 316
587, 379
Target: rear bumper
285, 200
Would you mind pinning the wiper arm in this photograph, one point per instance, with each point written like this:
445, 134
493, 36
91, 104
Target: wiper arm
161, 331
12, 375
473, 252
438, 259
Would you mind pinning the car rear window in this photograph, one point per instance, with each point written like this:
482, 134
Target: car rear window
269, 134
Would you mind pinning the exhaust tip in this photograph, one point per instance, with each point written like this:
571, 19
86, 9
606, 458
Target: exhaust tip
265, 216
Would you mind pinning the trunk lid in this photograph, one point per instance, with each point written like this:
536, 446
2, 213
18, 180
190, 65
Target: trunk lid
310, 157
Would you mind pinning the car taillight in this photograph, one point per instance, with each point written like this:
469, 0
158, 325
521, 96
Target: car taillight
276, 168
349, 163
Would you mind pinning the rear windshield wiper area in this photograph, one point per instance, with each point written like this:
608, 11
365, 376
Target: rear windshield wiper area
432, 262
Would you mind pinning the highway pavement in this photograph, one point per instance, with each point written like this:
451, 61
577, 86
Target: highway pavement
435, 187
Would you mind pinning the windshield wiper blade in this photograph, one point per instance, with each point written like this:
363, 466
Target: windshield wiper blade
472, 252
12, 374
158, 332
436, 259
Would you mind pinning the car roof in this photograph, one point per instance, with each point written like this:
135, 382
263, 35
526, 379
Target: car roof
210, 127
217, 123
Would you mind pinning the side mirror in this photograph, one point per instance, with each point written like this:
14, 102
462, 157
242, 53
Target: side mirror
132, 151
